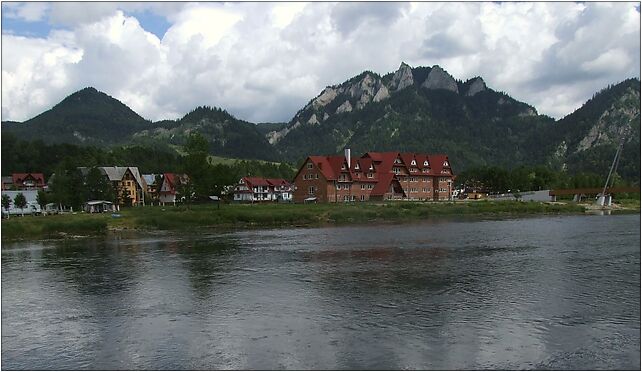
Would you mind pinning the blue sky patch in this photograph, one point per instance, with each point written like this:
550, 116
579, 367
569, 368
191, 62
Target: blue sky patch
151, 22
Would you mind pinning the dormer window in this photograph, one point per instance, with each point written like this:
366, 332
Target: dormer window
309, 165
413, 162
425, 163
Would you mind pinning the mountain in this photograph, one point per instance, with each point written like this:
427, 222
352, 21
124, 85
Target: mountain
90, 117
86, 117
227, 135
420, 109
587, 139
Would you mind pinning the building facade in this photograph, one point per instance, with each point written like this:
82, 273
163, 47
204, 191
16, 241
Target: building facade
258, 189
127, 182
24, 181
168, 192
374, 176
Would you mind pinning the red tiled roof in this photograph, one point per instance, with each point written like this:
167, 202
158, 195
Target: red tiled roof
326, 165
437, 163
383, 185
170, 180
19, 178
256, 181
277, 182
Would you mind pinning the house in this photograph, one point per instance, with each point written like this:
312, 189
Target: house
374, 176
150, 182
281, 189
168, 190
26, 181
7, 183
258, 189
126, 181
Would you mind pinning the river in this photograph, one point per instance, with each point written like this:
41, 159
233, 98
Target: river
554, 292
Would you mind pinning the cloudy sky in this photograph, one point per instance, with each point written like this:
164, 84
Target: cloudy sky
264, 61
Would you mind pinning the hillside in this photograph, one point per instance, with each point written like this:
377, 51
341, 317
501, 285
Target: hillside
421, 109
588, 138
228, 136
86, 117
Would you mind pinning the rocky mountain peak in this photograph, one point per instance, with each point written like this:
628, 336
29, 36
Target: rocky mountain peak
438, 78
402, 78
475, 86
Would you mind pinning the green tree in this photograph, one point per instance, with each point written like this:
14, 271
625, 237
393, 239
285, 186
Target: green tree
20, 202
6, 203
196, 166
41, 198
97, 186
125, 198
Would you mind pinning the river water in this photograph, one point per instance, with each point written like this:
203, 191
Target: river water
559, 292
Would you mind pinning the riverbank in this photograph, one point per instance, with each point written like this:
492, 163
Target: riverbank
239, 216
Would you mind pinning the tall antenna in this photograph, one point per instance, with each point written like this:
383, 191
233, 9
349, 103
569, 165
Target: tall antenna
616, 161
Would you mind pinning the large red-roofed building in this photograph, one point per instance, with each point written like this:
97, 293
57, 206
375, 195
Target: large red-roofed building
374, 176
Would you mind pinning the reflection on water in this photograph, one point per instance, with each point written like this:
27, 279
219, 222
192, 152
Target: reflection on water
537, 293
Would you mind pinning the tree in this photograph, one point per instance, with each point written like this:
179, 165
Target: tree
98, 186
6, 203
125, 198
20, 202
195, 165
41, 198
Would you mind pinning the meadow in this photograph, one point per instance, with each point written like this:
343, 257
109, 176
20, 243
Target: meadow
239, 216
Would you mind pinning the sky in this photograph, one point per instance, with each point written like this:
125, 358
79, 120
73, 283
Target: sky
262, 62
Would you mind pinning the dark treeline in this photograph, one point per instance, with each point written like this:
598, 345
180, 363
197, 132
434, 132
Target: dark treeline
527, 178
19, 156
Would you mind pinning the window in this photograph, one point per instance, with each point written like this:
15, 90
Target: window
425, 163
371, 167
311, 190
362, 197
363, 186
346, 187
370, 175
356, 166
343, 166
338, 187
445, 163
316, 176
370, 187
309, 165
425, 170
397, 161
413, 162
346, 198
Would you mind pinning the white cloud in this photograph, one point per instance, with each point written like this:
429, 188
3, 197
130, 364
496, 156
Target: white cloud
264, 61
30, 12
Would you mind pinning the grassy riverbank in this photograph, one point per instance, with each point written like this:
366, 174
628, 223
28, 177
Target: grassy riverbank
263, 215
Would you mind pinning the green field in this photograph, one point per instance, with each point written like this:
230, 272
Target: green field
235, 216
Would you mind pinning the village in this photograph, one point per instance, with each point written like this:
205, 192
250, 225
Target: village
374, 176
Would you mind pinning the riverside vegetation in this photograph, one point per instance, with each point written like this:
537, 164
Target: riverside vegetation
194, 217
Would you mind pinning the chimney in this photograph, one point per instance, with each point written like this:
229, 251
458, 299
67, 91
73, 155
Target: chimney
347, 154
